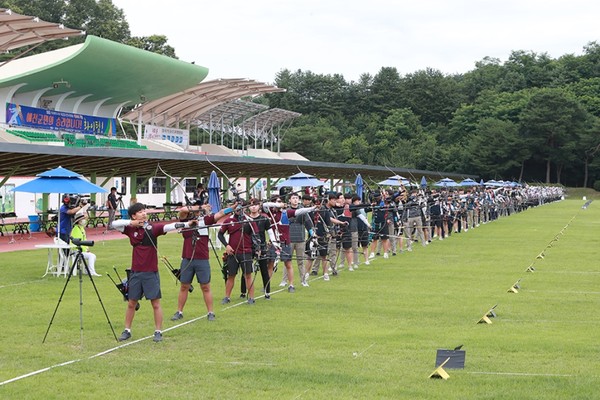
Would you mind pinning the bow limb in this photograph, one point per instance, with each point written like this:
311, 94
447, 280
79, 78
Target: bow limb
178, 183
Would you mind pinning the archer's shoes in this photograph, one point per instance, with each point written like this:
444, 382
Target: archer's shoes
355, 266
125, 335
372, 255
242, 295
157, 336
326, 277
385, 255
226, 300
409, 249
305, 284
314, 273
176, 316
367, 262
95, 274
267, 296
283, 284
350, 268
210, 316
251, 301
291, 289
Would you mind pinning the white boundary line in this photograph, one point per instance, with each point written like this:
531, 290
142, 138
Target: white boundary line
562, 291
102, 353
21, 283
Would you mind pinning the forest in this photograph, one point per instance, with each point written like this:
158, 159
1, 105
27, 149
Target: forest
531, 118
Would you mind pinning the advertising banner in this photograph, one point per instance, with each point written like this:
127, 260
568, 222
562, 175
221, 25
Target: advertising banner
40, 118
180, 137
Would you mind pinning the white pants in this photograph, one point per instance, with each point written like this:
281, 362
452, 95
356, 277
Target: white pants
90, 259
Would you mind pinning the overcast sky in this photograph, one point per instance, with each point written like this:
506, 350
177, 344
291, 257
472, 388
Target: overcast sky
256, 39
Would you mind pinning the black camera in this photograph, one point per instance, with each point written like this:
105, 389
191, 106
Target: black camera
79, 242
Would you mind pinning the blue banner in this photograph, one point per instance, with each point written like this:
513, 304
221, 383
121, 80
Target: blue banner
40, 118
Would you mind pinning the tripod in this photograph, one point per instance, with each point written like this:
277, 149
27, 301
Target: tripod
80, 265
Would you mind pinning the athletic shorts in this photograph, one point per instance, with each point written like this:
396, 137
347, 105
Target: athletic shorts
189, 268
144, 284
239, 261
363, 238
284, 255
381, 232
347, 240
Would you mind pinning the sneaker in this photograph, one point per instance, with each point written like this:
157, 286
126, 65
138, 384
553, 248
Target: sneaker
385, 255
441, 238
372, 255
305, 284
377, 254
211, 316
157, 336
267, 296
283, 284
314, 273
409, 249
176, 316
367, 262
334, 273
251, 301
393, 253
226, 300
291, 289
306, 277
326, 277
350, 268
355, 266
125, 335
242, 295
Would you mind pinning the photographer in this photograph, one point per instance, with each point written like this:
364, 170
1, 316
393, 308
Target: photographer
112, 204
71, 205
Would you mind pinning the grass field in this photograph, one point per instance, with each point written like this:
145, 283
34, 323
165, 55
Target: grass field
368, 334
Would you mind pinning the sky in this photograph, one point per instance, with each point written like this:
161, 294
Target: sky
257, 39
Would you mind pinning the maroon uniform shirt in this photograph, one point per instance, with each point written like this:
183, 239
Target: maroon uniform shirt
144, 257
201, 244
240, 233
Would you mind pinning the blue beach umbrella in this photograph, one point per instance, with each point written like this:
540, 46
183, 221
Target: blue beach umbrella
214, 192
395, 180
468, 182
446, 182
359, 186
59, 180
300, 180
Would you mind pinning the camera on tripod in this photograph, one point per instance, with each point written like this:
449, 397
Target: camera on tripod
78, 242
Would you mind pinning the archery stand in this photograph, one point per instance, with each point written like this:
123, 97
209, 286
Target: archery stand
540, 256
439, 372
454, 359
486, 317
515, 287
530, 268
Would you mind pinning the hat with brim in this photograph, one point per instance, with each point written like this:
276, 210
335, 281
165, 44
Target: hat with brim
78, 217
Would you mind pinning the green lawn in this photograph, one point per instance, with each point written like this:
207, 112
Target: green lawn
368, 334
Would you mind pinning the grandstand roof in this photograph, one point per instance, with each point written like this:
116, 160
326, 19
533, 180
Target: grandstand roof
100, 72
194, 103
32, 159
18, 30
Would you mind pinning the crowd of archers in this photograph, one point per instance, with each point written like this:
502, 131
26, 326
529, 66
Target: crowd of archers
321, 234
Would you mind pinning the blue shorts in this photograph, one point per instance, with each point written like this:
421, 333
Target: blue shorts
189, 268
144, 284
284, 255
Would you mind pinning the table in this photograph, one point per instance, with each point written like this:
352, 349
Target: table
61, 267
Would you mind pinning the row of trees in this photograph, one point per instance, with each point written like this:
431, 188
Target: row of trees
531, 118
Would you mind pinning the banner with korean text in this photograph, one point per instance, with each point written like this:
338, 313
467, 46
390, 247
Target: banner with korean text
180, 137
40, 118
